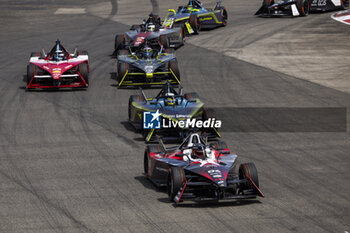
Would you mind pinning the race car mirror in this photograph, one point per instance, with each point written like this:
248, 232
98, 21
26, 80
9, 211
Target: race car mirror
223, 153
180, 90
143, 95
44, 54
75, 52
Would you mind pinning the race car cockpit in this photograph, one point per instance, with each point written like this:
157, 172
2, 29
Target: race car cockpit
152, 24
58, 53
170, 96
192, 5
194, 148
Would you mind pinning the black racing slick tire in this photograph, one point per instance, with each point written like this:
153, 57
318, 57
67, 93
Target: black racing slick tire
249, 169
83, 70
30, 72
149, 149
182, 35
219, 145
303, 7
224, 15
195, 23
191, 96
176, 180
266, 3
164, 40
132, 99
123, 67
119, 42
123, 52
174, 67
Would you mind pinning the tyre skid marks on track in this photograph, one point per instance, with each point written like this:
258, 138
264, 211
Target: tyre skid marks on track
47, 203
295, 212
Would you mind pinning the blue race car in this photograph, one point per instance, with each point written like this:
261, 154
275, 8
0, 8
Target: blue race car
172, 107
194, 17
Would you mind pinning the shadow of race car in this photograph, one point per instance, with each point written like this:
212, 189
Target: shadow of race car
198, 171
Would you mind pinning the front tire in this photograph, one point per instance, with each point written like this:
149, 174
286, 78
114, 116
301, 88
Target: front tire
249, 169
83, 70
31, 69
176, 180
303, 7
173, 66
224, 16
119, 42
194, 23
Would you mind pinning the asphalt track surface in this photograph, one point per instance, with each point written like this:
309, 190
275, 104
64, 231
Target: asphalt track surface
69, 162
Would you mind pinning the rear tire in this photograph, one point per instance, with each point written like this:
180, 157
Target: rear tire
194, 23
266, 3
249, 169
176, 179
303, 7
224, 16
119, 42
175, 69
149, 149
83, 70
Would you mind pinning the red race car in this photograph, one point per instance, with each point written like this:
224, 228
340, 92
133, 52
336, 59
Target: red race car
199, 171
58, 69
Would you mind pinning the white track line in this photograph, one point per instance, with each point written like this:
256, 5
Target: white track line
70, 11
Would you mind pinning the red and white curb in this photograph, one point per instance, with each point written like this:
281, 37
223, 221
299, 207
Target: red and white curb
342, 16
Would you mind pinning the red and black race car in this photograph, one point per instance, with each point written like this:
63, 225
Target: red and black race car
58, 69
199, 171
152, 32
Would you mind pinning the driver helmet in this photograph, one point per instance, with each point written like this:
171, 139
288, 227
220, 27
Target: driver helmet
170, 99
147, 51
59, 55
198, 151
151, 27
